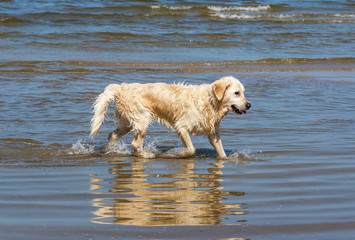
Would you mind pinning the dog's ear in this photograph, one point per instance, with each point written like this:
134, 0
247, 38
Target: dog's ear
219, 88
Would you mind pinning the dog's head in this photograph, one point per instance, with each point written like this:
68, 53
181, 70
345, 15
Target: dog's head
229, 93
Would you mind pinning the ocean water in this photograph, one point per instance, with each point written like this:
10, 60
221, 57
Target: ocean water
145, 31
290, 170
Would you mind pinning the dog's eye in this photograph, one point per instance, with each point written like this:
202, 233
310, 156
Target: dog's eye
237, 93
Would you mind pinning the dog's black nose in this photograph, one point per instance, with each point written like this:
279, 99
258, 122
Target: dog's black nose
248, 105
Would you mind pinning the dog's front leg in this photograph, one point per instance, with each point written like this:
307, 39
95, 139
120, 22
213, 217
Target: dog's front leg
216, 142
188, 150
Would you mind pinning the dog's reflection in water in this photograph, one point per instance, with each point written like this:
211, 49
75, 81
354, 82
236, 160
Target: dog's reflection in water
148, 192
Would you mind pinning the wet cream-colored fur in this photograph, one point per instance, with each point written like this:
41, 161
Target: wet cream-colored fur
189, 109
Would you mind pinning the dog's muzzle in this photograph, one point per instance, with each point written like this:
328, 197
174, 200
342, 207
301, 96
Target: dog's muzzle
241, 111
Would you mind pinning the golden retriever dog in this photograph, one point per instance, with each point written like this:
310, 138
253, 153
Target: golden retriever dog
189, 109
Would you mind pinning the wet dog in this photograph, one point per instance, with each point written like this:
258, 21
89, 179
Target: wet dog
189, 109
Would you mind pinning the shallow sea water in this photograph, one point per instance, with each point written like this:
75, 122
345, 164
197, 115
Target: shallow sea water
289, 173
290, 167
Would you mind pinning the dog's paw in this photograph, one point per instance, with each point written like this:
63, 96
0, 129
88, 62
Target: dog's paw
178, 153
144, 154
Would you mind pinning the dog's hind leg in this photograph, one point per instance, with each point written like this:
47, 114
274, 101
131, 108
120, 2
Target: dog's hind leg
189, 148
123, 129
137, 144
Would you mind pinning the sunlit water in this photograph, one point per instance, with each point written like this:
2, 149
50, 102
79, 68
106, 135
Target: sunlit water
290, 160
290, 167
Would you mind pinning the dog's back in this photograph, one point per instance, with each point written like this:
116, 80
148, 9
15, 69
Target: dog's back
173, 105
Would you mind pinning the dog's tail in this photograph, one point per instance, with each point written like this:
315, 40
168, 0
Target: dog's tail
100, 107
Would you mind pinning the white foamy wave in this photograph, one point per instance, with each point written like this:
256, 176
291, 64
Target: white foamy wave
171, 7
254, 16
338, 21
81, 148
235, 16
339, 15
239, 8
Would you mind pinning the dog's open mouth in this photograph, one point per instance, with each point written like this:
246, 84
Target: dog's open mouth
237, 111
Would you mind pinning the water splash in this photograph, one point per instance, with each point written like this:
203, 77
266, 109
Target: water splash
245, 155
81, 148
151, 145
120, 148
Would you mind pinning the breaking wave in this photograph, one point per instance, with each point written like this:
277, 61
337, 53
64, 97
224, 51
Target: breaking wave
239, 8
171, 7
293, 18
253, 16
214, 8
